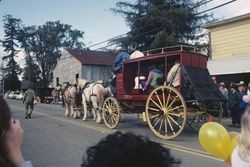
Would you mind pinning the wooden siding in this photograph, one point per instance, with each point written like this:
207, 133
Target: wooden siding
230, 40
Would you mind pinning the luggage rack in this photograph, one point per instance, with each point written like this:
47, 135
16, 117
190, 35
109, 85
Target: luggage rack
171, 48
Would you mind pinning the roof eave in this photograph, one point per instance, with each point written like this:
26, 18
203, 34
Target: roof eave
227, 21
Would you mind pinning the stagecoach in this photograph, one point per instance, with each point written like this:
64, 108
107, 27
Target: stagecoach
166, 109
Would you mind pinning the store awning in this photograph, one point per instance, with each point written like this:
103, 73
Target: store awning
229, 66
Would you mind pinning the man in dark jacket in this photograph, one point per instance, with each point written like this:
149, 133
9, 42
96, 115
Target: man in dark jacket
122, 55
29, 97
233, 103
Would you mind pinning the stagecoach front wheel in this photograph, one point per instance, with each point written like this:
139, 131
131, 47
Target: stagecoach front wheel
111, 112
166, 112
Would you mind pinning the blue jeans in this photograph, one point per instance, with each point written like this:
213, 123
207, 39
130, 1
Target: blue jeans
56, 100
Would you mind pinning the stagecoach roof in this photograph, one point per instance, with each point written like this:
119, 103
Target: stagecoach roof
91, 57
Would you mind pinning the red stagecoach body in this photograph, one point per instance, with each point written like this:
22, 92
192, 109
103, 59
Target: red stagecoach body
165, 107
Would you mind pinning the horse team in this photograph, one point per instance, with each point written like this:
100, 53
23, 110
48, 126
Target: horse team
84, 98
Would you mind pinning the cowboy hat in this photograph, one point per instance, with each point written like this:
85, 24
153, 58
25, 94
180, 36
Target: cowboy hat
233, 86
118, 48
240, 83
222, 84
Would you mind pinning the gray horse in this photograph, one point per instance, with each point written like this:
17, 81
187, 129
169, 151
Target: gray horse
69, 95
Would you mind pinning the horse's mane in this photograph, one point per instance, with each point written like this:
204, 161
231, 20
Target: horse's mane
82, 82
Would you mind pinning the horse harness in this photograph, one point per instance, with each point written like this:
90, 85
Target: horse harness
92, 91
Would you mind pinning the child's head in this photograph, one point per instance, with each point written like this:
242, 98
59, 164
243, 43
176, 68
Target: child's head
242, 88
5, 117
244, 142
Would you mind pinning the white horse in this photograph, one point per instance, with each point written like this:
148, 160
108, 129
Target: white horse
69, 95
93, 94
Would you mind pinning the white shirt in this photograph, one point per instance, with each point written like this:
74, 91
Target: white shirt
237, 161
174, 75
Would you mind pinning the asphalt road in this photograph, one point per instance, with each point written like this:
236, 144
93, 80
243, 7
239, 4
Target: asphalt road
52, 140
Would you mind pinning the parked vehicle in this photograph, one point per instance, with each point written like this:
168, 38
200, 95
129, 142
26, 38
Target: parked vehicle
44, 94
20, 96
16, 93
6, 95
11, 95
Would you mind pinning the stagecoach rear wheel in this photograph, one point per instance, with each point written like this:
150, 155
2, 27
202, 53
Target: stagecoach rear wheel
166, 112
197, 119
209, 111
111, 112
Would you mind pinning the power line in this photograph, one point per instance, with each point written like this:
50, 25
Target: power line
134, 37
216, 7
175, 14
118, 36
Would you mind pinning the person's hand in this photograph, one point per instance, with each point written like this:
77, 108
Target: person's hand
13, 141
228, 162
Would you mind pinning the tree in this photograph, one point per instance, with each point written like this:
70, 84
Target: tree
9, 43
31, 72
44, 44
159, 23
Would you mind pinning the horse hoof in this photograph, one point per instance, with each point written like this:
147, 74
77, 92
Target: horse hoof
98, 121
84, 119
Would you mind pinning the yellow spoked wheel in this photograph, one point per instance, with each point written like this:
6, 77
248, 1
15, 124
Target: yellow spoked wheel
166, 112
111, 112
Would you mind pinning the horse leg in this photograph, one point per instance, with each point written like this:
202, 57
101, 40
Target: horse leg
99, 103
67, 110
95, 109
74, 113
94, 113
79, 113
85, 109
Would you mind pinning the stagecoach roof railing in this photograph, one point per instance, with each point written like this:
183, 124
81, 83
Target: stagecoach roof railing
170, 48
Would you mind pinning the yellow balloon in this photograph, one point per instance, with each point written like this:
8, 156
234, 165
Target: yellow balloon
215, 139
233, 144
232, 134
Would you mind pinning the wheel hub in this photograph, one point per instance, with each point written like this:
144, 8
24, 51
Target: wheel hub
165, 111
110, 111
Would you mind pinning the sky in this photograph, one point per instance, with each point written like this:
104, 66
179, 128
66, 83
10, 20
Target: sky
91, 16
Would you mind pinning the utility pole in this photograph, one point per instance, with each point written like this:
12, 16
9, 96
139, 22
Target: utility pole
3, 75
29, 66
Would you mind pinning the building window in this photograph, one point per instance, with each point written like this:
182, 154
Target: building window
77, 76
57, 81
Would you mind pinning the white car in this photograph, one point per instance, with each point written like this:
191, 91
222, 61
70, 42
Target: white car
11, 95
20, 96
16, 94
